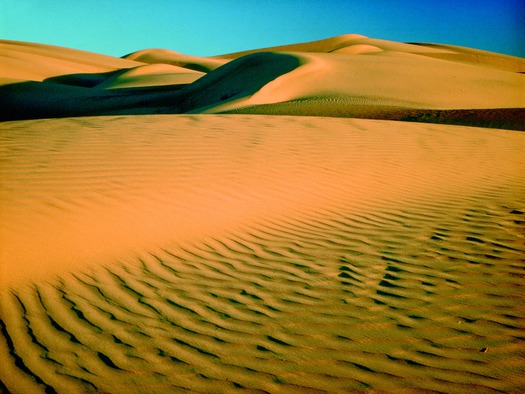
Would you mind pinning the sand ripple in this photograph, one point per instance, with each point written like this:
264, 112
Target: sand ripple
389, 260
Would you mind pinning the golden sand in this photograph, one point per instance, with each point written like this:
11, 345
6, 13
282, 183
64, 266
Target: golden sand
260, 253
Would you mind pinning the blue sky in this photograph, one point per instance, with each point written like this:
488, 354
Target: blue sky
212, 27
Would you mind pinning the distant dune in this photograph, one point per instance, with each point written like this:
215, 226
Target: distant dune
283, 220
348, 75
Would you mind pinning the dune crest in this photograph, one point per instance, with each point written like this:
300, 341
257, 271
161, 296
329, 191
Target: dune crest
323, 46
164, 56
151, 75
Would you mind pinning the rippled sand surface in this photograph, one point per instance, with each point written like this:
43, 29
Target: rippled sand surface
221, 253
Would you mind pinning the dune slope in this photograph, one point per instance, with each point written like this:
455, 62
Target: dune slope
36, 62
260, 254
409, 81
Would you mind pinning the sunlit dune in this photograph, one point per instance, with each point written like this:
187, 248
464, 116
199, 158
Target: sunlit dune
36, 62
316, 217
322, 46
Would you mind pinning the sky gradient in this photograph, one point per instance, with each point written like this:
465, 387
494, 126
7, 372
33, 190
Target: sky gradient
212, 27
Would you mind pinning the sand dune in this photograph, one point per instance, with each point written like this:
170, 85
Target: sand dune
270, 254
36, 62
166, 226
364, 80
343, 74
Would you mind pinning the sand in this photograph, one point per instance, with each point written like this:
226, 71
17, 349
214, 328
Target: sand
343, 73
251, 252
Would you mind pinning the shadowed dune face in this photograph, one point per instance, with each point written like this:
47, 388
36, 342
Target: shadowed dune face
238, 79
30, 100
256, 253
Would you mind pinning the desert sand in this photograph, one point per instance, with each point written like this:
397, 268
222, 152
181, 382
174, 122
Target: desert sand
345, 215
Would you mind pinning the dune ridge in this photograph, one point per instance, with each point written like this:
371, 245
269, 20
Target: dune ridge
151, 75
348, 264
164, 56
351, 69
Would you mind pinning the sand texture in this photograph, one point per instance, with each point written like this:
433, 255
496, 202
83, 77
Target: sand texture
165, 252
208, 235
